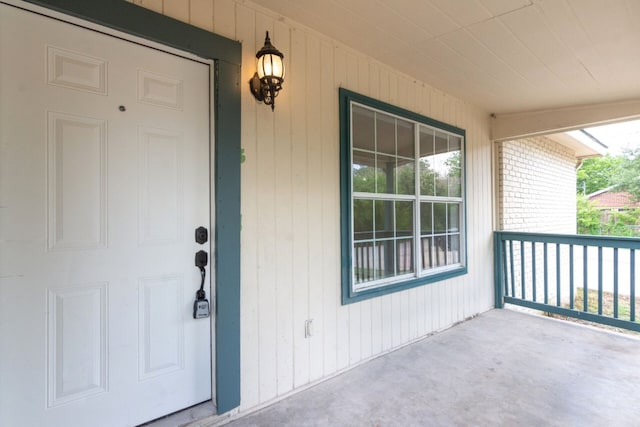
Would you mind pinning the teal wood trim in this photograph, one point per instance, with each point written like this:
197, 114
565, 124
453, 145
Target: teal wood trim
346, 257
345, 198
585, 278
591, 317
505, 282
227, 54
632, 272
512, 269
133, 19
558, 273
576, 239
545, 255
571, 279
615, 281
227, 207
401, 286
600, 284
498, 269
522, 271
533, 272
383, 106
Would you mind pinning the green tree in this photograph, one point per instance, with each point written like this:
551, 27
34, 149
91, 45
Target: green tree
598, 173
588, 216
627, 177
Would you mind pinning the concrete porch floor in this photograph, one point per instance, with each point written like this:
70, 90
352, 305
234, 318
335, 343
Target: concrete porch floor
502, 368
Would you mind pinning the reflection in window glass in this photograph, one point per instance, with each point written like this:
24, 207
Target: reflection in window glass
408, 210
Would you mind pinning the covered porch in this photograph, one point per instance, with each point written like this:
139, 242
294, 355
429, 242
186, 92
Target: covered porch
502, 367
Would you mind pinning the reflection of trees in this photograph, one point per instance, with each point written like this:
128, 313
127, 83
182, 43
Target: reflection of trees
400, 179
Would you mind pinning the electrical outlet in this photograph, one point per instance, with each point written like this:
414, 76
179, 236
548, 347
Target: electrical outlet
308, 328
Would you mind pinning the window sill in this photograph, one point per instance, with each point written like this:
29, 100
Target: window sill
352, 296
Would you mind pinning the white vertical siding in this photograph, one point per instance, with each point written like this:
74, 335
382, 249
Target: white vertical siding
291, 216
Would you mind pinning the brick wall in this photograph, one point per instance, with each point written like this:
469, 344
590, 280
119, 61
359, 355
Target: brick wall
537, 180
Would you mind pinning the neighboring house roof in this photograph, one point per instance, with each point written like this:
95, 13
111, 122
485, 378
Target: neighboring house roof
609, 199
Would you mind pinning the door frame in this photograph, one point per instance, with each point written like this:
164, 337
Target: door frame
226, 56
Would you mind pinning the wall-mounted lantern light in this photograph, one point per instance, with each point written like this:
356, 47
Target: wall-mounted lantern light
267, 81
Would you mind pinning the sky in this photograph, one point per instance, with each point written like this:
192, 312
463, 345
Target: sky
618, 136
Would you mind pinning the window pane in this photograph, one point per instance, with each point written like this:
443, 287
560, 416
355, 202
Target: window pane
427, 173
364, 173
439, 251
426, 218
455, 143
454, 173
383, 219
454, 249
404, 219
363, 262
454, 218
439, 218
385, 256
405, 177
362, 219
363, 128
426, 246
440, 166
385, 182
405, 140
404, 256
385, 134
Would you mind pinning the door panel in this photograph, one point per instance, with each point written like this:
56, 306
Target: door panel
105, 146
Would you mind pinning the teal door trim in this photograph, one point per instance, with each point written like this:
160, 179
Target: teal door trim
227, 55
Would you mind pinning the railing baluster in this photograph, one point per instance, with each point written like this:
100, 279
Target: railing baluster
558, 274
534, 283
522, 284
546, 274
513, 277
599, 279
585, 288
571, 296
505, 274
632, 283
615, 282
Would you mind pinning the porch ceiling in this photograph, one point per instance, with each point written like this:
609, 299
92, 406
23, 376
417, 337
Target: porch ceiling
502, 55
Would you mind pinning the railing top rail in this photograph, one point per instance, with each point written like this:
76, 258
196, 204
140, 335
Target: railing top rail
571, 239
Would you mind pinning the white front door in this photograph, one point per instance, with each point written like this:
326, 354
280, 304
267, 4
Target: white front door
104, 176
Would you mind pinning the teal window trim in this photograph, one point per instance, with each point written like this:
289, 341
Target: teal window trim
349, 295
227, 56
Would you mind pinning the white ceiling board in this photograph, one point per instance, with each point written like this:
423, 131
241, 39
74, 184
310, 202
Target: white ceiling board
503, 55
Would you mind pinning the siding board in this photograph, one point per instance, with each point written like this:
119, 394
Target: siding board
314, 201
266, 237
250, 327
284, 228
297, 85
330, 208
343, 312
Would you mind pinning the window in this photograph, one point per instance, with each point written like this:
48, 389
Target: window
402, 202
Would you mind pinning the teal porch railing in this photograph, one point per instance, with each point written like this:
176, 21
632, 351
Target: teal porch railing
585, 277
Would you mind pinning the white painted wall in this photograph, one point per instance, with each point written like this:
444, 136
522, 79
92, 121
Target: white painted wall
291, 215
